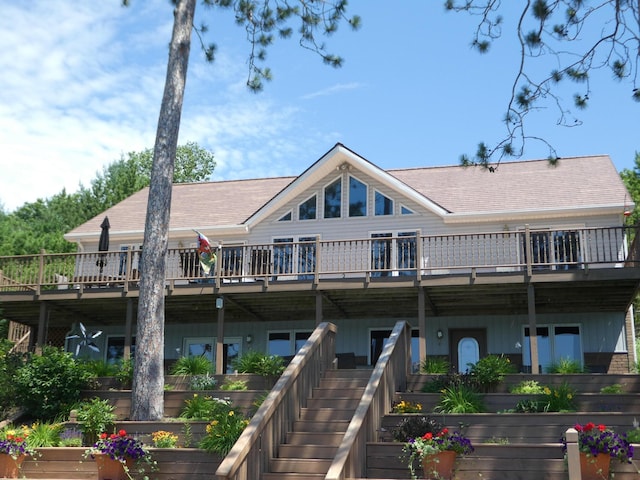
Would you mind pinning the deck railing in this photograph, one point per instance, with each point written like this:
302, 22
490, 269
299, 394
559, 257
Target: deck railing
409, 254
268, 427
389, 376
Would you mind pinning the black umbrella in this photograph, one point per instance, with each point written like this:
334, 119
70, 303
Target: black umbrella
103, 244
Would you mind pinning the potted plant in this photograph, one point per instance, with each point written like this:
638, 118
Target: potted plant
598, 445
437, 452
13, 450
116, 454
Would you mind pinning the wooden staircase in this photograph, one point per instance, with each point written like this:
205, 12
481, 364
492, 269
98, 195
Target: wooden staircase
314, 438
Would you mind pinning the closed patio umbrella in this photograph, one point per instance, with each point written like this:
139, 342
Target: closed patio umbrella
103, 244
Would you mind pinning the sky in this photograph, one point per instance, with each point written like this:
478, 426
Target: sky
81, 85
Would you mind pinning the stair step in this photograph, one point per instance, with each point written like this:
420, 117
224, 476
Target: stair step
292, 476
307, 451
340, 403
326, 414
320, 426
356, 373
331, 392
294, 465
343, 382
315, 438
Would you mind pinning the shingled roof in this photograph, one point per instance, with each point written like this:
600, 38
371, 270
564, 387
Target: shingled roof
519, 186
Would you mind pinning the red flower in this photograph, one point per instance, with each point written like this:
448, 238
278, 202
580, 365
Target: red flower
578, 427
122, 433
19, 439
103, 436
589, 426
113, 436
427, 436
602, 428
444, 432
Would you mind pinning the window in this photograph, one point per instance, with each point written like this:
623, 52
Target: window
295, 258
383, 205
206, 347
115, 349
307, 209
286, 217
405, 211
554, 250
555, 343
333, 199
393, 255
357, 198
286, 343
378, 339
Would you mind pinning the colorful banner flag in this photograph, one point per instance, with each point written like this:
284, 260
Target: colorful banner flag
206, 254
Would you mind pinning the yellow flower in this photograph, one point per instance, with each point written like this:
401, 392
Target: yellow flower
231, 413
547, 391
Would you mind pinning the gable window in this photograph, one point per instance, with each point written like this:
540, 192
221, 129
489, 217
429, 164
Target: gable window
383, 205
333, 199
357, 198
307, 209
405, 211
286, 217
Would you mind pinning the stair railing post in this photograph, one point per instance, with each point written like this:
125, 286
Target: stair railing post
573, 454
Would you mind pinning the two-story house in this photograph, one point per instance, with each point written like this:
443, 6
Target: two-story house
530, 260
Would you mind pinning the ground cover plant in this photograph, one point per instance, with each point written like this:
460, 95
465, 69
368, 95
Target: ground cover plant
259, 363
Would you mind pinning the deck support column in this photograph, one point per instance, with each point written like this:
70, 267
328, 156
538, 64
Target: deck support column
533, 330
220, 340
318, 308
42, 327
128, 327
422, 326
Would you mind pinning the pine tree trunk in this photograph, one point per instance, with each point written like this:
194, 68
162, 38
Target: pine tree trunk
147, 396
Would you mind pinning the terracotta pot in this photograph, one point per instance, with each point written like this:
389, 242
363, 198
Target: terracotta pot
9, 466
439, 465
595, 468
110, 469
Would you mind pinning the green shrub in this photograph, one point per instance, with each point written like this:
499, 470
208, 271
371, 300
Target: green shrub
197, 365
124, 373
528, 406
259, 363
9, 364
223, 431
558, 399
100, 368
95, 416
566, 366
489, 371
45, 434
230, 384
528, 387
202, 382
435, 365
415, 426
201, 407
459, 399
633, 436
615, 389
48, 385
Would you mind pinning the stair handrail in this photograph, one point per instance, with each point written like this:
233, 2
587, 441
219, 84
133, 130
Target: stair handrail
268, 427
389, 376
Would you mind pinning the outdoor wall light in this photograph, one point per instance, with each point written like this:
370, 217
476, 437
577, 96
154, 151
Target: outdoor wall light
219, 303
439, 334
249, 338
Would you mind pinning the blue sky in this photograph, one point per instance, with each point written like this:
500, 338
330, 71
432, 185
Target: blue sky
82, 82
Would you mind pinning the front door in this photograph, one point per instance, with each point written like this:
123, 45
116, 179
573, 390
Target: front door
467, 346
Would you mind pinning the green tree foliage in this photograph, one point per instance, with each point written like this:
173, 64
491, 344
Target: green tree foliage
576, 37
261, 20
631, 179
40, 225
49, 384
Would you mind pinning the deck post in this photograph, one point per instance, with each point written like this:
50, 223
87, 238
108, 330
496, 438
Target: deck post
573, 454
319, 313
42, 327
422, 327
220, 340
126, 355
533, 329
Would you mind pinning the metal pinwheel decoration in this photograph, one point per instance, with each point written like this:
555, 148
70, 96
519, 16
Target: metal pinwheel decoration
86, 339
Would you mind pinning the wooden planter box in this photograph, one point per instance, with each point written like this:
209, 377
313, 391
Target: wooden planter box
181, 382
69, 463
